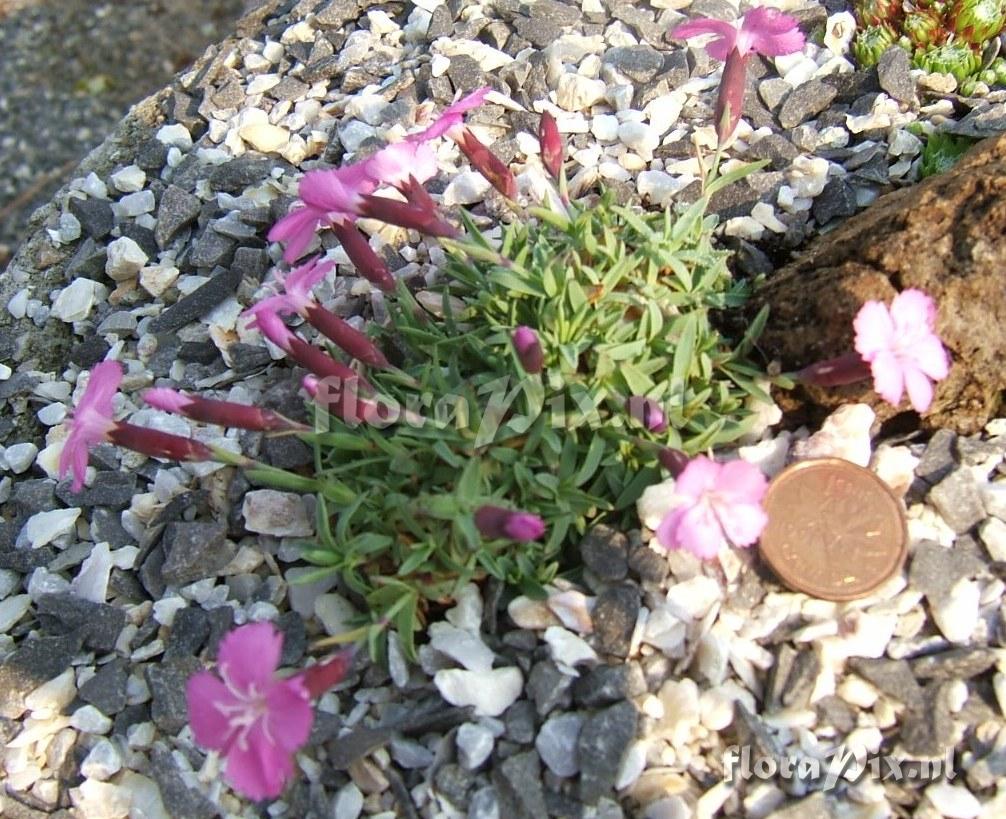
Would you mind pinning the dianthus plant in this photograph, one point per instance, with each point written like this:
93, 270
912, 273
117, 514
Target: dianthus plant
537, 387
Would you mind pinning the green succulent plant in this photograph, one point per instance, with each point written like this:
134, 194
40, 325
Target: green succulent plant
942, 151
871, 43
976, 21
877, 12
924, 28
956, 58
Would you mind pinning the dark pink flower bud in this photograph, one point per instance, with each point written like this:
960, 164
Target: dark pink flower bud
320, 677
488, 164
673, 460
497, 523
418, 213
368, 264
355, 343
647, 412
341, 398
223, 413
528, 348
846, 369
730, 101
159, 444
551, 144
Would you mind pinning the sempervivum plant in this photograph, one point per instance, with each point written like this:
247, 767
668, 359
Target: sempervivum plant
946, 37
957, 58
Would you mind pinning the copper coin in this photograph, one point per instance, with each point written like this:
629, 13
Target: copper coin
835, 530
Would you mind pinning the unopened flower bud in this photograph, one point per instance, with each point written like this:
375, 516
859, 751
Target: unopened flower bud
647, 412
528, 348
496, 523
551, 144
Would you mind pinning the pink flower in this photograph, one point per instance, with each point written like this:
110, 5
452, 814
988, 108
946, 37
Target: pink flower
92, 420
451, 120
396, 163
717, 504
647, 412
902, 348
297, 286
496, 523
254, 718
763, 30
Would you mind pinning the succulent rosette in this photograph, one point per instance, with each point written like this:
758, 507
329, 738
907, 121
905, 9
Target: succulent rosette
955, 58
976, 21
871, 43
924, 28
878, 12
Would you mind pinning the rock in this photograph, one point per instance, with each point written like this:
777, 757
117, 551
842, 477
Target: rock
124, 259
567, 649
177, 210
475, 743
167, 681
98, 624
909, 237
211, 249
939, 458
614, 618
776, 148
556, 743
184, 801
639, 63
804, 102
955, 664
958, 499
102, 762
194, 551
519, 787
606, 684
281, 514
490, 692
837, 199
106, 690
953, 801
576, 93
894, 677
13, 609
844, 434
548, 686
43, 528
234, 176
199, 302
957, 615
95, 216
89, 720
462, 646
605, 552
604, 739
893, 73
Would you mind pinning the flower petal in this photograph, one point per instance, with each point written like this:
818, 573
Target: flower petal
249, 655
874, 329
700, 532
256, 767
888, 377
912, 310
290, 713
930, 356
717, 48
920, 388
667, 531
741, 483
697, 478
769, 32
204, 692
742, 522
297, 229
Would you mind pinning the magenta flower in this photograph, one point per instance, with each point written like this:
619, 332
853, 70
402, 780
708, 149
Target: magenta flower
297, 286
254, 718
92, 420
92, 423
902, 348
528, 348
762, 30
497, 523
717, 504
452, 119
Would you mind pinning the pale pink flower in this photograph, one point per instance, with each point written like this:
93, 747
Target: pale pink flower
297, 286
763, 30
902, 348
716, 504
92, 420
452, 119
254, 718
396, 163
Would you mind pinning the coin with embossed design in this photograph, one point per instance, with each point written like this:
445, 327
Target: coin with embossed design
835, 530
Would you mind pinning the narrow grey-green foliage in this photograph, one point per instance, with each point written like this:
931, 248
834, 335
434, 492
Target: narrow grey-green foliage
624, 305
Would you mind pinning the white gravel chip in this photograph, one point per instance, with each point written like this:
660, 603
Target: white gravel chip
90, 720
125, 259
102, 762
75, 302
43, 528
953, 801
556, 744
20, 456
282, 514
475, 743
175, 136
13, 609
489, 692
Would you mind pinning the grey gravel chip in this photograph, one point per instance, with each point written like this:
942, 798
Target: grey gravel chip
958, 499
604, 738
195, 551
177, 210
199, 302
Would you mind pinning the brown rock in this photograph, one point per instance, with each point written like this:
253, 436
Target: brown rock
946, 236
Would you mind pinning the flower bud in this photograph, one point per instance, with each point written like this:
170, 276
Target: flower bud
673, 460
551, 144
528, 349
496, 523
647, 412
